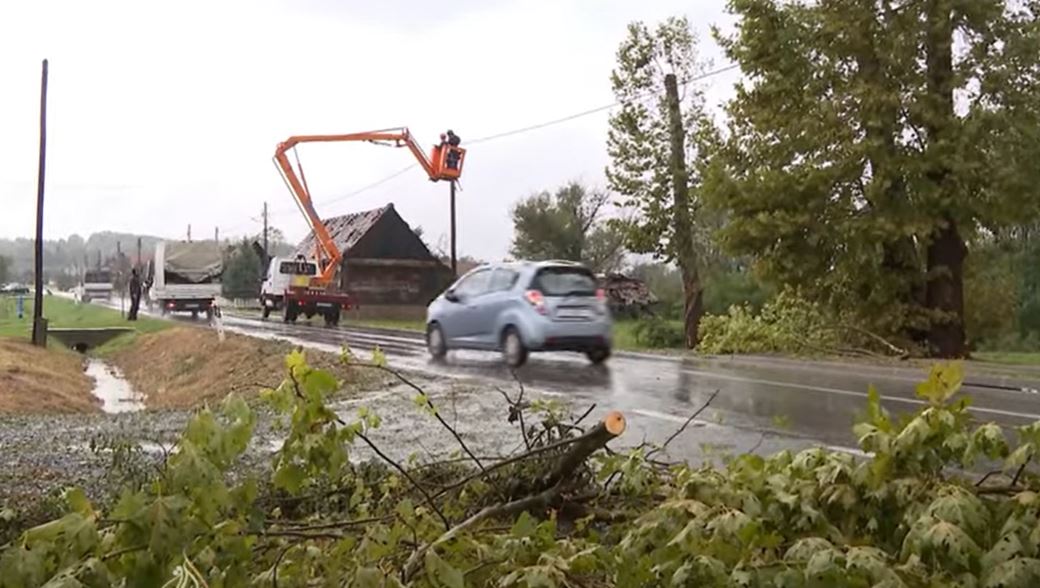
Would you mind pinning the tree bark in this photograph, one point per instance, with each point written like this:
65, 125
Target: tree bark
946, 248
682, 223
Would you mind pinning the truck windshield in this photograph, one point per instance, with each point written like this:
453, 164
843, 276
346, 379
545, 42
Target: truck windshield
298, 268
97, 278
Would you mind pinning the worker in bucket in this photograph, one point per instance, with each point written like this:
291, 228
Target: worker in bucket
135, 295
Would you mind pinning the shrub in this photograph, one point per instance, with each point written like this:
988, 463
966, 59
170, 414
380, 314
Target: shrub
787, 324
658, 333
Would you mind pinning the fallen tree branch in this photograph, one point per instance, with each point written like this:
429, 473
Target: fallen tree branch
404, 472
548, 491
874, 336
434, 410
534, 452
679, 431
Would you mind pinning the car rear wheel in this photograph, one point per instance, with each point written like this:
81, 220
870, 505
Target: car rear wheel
435, 343
513, 350
598, 355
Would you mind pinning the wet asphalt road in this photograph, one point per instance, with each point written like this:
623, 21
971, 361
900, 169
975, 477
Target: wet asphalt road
763, 404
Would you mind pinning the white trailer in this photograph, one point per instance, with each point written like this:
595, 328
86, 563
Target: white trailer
185, 276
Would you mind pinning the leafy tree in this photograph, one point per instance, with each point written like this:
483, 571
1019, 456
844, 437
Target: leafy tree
867, 149
5, 269
567, 225
242, 272
654, 164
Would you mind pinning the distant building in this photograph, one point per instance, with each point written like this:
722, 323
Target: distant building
386, 266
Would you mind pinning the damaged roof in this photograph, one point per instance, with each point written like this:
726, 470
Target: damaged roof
346, 230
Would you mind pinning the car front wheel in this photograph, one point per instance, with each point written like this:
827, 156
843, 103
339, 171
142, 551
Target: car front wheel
435, 342
513, 349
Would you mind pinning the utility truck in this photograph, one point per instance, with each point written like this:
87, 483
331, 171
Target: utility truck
309, 286
185, 276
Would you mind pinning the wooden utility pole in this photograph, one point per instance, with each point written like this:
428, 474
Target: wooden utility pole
138, 265
39, 331
189, 233
216, 235
267, 254
454, 260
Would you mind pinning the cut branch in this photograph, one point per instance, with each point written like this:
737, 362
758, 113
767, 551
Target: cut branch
548, 491
404, 472
618, 422
679, 431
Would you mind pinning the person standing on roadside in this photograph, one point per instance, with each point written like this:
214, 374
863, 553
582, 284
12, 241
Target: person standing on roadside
135, 295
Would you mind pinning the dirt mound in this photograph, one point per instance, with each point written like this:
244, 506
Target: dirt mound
34, 380
184, 367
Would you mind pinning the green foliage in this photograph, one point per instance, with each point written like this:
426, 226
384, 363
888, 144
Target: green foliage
900, 517
5, 269
567, 225
243, 272
786, 324
848, 157
658, 333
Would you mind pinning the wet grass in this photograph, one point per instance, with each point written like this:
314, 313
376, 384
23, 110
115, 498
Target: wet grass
64, 313
1008, 358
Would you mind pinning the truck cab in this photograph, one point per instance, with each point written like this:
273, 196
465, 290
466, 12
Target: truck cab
94, 285
288, 287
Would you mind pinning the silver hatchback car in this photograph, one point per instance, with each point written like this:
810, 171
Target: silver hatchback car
520, 307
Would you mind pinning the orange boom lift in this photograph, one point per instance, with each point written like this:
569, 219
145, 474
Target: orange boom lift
320, 295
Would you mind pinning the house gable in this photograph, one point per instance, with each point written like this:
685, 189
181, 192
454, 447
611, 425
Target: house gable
390, 237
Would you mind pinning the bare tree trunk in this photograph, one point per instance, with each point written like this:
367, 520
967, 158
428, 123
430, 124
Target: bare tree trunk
682, 224
946, 249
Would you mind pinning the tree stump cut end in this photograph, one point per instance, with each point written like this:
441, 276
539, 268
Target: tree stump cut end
614, 423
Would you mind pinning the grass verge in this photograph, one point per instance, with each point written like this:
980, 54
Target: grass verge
1008, 358
65, 313
36, 380
184, 367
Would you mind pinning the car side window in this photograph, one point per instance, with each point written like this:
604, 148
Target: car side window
475, 284
503, 280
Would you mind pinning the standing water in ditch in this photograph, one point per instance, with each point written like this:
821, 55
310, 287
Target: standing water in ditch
114, 391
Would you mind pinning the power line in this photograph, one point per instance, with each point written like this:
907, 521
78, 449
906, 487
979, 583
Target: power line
518, 131
571, 117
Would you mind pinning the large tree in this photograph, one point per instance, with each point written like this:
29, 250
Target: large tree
653, 146
567, 224
872, 139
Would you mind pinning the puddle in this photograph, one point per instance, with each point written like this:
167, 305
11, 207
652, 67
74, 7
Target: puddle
114, 391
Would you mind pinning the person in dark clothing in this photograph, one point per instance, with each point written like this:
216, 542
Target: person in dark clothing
135, 295
453, 141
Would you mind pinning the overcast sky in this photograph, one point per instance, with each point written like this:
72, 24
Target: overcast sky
161, 117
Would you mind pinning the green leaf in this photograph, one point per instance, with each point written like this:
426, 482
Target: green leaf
378, 357
943, 381
78, 502
442, 573
369, 578
525, 526
1020, 572
290, 477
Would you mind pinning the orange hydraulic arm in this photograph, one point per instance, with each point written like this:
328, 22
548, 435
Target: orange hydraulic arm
444, 163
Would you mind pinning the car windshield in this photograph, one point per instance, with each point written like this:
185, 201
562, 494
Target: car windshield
97, 277
565, 281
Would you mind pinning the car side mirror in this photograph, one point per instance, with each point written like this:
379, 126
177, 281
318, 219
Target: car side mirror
451, 296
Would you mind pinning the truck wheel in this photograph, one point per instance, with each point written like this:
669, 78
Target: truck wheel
291, 312
332, 318
194, 315
265, 311
209, 314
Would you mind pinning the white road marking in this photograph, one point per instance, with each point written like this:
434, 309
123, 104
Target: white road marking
827, 390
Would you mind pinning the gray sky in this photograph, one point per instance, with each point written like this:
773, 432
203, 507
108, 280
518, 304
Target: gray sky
161, 117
